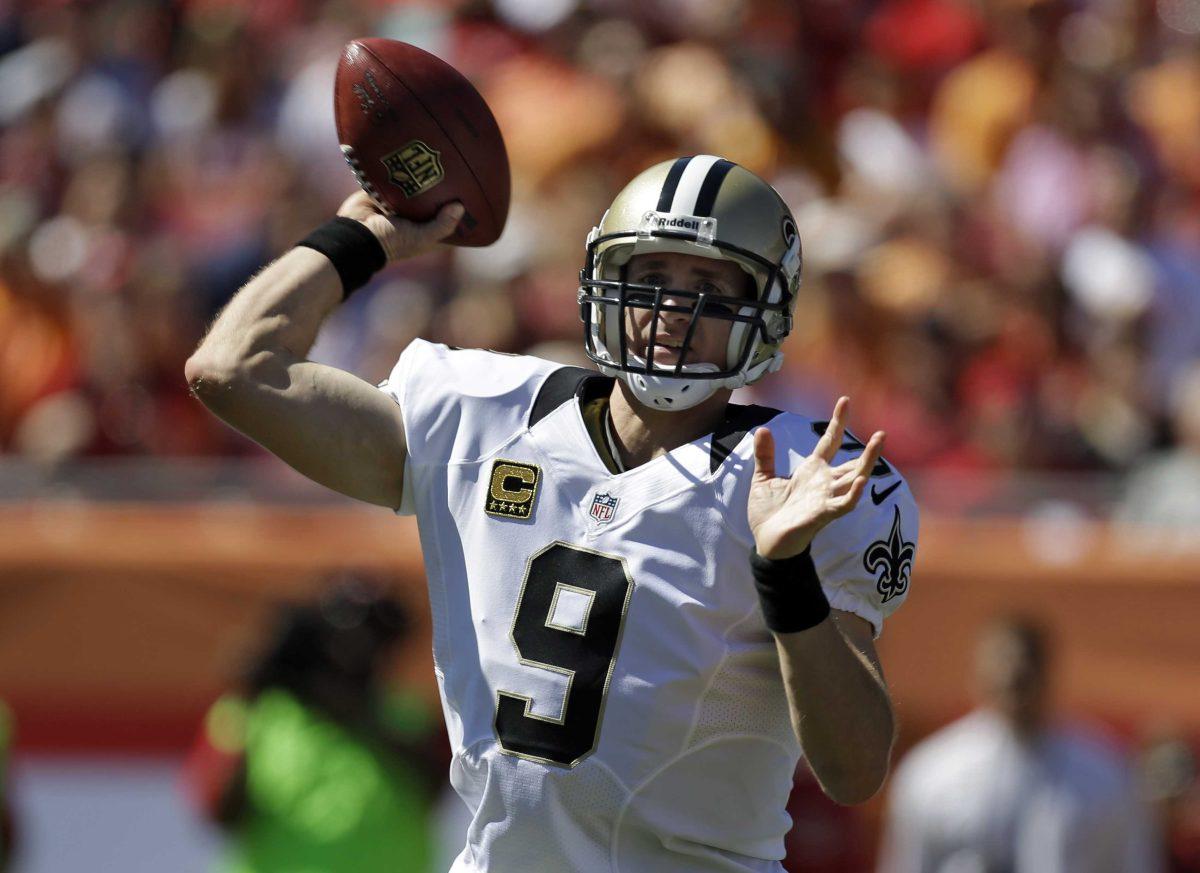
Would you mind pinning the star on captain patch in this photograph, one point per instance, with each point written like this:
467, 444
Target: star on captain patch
512, 489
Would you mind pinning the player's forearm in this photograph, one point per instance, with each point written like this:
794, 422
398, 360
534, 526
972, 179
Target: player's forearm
840, 710
278, 312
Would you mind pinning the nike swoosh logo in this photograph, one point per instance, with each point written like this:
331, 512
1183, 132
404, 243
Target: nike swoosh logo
879, 496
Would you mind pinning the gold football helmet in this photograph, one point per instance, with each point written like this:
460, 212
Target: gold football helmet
705, 206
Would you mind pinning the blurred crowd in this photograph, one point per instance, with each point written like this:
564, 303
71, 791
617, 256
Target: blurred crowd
999, 201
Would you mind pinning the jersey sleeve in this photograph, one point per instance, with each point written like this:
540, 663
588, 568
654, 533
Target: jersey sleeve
865, 558
459, 404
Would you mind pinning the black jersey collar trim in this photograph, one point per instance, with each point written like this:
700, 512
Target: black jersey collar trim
568, 382
563, 384
739, 420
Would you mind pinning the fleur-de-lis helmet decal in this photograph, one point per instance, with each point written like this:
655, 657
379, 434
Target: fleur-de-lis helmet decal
890, 561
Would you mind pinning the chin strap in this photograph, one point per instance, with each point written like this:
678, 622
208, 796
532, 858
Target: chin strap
669, 393
673, 393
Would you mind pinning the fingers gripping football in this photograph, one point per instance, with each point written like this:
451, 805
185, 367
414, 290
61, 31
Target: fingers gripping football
399, 237
786, 513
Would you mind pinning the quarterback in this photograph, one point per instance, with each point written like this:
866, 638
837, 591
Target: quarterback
647, 601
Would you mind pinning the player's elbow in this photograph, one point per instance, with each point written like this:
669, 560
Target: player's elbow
218, 381
237, 356
211, 379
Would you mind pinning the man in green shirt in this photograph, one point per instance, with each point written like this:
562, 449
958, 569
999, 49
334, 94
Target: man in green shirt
314, 767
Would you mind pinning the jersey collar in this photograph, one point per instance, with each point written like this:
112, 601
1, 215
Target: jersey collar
567, 383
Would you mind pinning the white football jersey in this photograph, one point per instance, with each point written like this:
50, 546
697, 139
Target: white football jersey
612, 694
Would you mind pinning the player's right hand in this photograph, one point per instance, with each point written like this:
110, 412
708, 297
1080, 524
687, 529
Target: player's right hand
399, 237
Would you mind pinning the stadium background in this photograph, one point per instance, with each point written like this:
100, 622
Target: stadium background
1000, 204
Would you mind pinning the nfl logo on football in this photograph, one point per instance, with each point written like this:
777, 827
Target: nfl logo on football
604, 506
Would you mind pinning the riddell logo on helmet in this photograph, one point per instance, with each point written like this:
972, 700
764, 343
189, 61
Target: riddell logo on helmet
703, 230
678, 222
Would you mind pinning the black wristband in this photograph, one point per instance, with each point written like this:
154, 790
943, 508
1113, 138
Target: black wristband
355, 252
790, 592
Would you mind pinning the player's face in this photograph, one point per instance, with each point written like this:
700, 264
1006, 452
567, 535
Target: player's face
672, 270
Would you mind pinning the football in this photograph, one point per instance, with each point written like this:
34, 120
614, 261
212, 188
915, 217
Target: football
418, 135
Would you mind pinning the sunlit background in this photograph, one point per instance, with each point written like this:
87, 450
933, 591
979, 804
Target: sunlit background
1000, 208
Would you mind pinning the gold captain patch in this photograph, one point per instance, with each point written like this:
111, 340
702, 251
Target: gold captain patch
512, 490
415, 167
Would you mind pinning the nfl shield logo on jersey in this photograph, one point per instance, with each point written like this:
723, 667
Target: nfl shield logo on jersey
604, 506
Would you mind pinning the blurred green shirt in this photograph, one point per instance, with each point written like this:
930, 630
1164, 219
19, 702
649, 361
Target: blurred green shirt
322, 800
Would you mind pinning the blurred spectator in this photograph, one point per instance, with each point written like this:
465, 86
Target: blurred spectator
1169, 779
1162, 500
312, 765
1007, 789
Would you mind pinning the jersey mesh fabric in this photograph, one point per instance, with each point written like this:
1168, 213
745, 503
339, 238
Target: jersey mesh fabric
746, 698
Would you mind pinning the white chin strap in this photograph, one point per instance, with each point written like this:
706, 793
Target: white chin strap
674, 394
670, 393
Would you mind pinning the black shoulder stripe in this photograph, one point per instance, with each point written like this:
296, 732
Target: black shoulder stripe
711, 186
851, 443
672, 183
559, 387
739, 420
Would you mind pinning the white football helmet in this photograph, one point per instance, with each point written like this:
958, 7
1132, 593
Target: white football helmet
705, 206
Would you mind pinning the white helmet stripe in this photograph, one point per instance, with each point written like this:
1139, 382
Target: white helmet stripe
667, 194
712, 187
690, 183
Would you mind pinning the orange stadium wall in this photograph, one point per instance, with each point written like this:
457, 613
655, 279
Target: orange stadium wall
120, 622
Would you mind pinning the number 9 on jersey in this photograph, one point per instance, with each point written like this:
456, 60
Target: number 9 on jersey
569, 618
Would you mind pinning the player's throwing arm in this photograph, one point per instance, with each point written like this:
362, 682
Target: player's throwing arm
252, 371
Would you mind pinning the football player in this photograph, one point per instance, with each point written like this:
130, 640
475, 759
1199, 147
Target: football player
646, 600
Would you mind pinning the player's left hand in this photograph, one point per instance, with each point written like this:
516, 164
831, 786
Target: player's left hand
785, 514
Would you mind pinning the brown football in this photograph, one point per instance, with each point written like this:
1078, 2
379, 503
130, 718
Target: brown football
417, 135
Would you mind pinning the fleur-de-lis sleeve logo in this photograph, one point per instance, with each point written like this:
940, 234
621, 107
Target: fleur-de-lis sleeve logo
890, 561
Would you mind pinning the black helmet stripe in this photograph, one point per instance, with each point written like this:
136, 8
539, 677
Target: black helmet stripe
707, 197
669, 186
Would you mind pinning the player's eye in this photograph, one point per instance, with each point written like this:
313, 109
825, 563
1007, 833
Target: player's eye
706, 287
